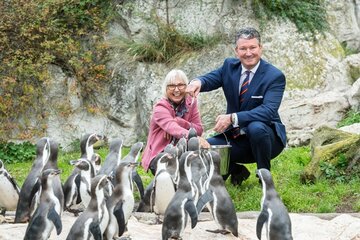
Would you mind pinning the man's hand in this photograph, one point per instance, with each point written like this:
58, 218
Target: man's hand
222, 123
193, 88
204, 143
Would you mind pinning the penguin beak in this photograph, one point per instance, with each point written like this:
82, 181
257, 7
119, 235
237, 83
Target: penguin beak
57, 171
73, 162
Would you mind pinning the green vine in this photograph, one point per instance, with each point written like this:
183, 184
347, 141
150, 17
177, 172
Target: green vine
35, 33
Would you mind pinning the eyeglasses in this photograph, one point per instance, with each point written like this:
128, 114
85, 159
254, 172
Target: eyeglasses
173, 86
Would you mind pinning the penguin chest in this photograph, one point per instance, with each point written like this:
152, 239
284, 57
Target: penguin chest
103, 215
164, 192
9, 194
84, 192
128, 204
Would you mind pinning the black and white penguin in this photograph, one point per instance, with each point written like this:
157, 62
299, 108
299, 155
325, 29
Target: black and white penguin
53, 164
94, 220
87, 172
121, 203
9, 190
182, 204
164, 186
221, 205
273, 211
133, 156
71, 186
32, 182
48, 213
199, 167
113, 158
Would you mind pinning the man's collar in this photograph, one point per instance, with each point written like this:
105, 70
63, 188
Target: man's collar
253, 70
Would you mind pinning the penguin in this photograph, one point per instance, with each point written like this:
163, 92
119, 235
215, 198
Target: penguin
121, 203
221, 205
32, 182
273, 211
199, 167
164, 187
53, 164
181, 146
94, 220
72, 184
87, 172
133, 156
145, 203
47, 215
182, 204
113, 158
9, 190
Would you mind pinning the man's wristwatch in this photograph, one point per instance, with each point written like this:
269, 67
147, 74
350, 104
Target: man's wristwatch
233, 118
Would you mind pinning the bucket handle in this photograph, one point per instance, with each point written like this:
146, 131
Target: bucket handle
227, 141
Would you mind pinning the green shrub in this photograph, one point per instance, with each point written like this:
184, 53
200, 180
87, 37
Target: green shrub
167, 44
15, 153
307, 15
36, 33
350, 118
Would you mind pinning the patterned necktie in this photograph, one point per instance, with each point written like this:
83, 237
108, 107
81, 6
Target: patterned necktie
244, 86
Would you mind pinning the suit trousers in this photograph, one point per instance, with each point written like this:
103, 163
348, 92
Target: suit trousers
258, 145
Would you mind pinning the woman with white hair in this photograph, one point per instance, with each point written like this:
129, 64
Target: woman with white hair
172, 117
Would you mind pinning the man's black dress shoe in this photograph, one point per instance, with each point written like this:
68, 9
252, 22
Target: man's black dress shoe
240, 175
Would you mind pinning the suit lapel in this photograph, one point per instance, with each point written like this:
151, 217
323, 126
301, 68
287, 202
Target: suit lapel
236, 88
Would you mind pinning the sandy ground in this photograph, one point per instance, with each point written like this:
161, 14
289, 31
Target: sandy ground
304, 227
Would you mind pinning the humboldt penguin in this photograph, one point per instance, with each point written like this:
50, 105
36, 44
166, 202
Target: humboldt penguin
32, 182
199, 167
113, 158
221, 206
71, 186
182, 204
48, 213
133, 156
94, 220
164, 187
273, 211
121, 203
9, 191
87, 172
53, 164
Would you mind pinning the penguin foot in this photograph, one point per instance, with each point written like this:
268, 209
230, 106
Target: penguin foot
74, 211
2, 211
222, 231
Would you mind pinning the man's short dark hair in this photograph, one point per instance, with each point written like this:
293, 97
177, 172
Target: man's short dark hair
248, 33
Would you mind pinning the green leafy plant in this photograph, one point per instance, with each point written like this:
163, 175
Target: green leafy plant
307, 15
167, 44
13, 153
36, 33
351, 117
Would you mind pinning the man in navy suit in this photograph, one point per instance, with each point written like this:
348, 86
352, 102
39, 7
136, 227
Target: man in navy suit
252, 123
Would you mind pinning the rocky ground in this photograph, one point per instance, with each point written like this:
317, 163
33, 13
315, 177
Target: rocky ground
140, 226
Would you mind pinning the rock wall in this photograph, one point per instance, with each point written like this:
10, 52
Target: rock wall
322, 82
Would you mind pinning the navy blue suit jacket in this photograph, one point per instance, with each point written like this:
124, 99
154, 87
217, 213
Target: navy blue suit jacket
263, 99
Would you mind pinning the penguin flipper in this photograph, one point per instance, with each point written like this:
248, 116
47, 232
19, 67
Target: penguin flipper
55, 218
120, 218
34, 190
263, 217
139, 184
77, 183
95, 230
191, 209
204, 199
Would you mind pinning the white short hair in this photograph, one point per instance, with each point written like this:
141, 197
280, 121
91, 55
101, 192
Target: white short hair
172, 76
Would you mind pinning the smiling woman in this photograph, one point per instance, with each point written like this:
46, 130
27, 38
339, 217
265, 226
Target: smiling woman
173, 116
